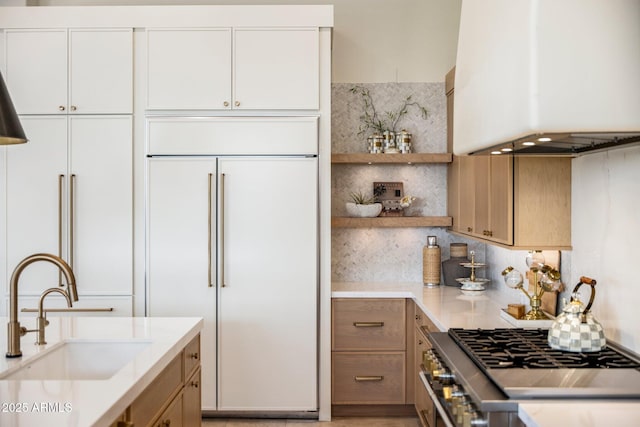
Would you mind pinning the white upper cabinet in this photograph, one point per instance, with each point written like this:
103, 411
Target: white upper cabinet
276, 69
189, 69
75, 71
240, 69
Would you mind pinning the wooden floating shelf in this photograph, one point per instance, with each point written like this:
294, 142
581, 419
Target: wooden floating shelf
392, 221
409, 158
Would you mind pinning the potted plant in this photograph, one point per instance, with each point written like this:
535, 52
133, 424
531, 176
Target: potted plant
362, 206
386, 121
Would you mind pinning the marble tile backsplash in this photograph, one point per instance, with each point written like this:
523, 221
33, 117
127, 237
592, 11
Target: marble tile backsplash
390, 254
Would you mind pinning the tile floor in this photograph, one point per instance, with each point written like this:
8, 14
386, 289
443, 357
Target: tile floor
336, 422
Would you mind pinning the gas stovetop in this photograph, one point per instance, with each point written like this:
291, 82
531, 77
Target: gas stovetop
520, 363
528, 349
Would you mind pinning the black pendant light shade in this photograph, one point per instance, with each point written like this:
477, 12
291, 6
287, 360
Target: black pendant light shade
11, 131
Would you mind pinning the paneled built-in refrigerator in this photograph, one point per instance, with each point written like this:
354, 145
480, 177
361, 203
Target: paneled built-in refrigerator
232, 236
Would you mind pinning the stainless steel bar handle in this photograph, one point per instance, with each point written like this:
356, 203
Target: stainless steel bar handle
60, 190
222, 179
209, 230
71, 218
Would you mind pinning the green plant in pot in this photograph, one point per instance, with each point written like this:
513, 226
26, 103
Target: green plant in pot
362, 206
379, 122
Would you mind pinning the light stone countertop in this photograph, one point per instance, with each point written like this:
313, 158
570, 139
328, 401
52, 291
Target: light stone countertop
447, 308
80, 403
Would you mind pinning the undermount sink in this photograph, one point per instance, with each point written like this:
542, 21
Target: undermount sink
79, 360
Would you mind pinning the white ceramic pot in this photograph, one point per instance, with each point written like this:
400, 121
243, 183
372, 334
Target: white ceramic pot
364, 211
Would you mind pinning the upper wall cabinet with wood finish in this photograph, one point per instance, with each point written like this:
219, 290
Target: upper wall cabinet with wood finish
70, 71
233, 68
522, 202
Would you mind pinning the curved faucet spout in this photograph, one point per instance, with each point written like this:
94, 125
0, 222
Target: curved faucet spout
14, 331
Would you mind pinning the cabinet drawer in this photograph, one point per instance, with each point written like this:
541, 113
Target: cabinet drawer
157, 394
423, 320
232, 135
368, 324
191, 356
424, 406
368, 378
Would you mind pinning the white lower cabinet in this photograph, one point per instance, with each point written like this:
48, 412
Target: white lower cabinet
69, 193
234, 239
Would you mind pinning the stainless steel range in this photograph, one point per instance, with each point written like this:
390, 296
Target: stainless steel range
477, 376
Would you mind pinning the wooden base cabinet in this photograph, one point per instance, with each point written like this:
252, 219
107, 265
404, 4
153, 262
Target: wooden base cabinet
370, 357
173, 398
425, 407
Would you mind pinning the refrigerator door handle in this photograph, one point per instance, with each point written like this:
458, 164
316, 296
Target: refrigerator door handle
210, 230
221, 237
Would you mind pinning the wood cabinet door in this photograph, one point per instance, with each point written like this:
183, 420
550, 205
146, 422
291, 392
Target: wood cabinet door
181, 238
101, 204
36, 175
482, 165
467, 194
268, 267
36, 64
189, 69
501, 199
192, 412
276, 68
100, 71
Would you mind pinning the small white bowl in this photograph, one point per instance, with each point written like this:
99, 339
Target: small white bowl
364, 211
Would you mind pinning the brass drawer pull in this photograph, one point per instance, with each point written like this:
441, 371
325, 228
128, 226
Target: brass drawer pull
368, 324
67, 310
368, 378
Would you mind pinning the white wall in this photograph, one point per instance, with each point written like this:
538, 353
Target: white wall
374, 41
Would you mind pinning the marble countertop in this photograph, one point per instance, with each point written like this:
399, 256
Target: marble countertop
80, 403
448, 307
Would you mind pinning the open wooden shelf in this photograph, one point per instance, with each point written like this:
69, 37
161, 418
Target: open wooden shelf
391, 221
409, 158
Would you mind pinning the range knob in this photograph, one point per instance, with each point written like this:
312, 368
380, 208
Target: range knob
478, 421
443, 375
464, 414
459, 408
473, 418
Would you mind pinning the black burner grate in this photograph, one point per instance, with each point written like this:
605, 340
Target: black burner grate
528, 348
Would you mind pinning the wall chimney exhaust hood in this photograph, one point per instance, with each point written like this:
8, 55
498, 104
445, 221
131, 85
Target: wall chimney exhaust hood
557, 77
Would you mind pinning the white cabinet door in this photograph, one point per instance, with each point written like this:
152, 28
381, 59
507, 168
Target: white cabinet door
181, 250
276, 68
189, 69
36, 203
101, 71
69, 193
101, 198
93, 74
267, 303
37, 70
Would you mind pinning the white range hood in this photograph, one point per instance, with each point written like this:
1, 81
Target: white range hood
568, 70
